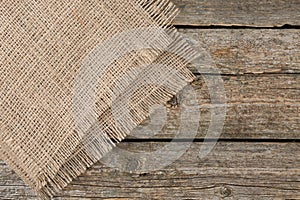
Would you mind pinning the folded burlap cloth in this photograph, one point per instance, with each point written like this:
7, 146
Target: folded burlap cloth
77, 76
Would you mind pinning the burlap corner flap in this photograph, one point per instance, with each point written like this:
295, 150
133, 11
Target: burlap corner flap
77, 76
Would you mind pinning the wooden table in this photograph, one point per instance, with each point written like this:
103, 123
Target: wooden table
256, 46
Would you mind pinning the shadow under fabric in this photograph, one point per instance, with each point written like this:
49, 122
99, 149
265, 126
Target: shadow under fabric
43, 47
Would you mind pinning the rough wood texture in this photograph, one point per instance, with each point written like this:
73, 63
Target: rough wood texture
242, 51
261, 104
263, 13
261, 73
230, 171
258, 106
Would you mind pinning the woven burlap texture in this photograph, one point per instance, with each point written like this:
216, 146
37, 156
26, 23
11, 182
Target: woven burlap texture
43, 46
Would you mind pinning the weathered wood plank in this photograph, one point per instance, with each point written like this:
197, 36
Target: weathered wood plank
240, 51
258, 106
261, 71
263, 13
231, 171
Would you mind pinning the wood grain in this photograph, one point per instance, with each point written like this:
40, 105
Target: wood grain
261, 73
248, 51
258, 106
259, 13
260, 70
263, 102
230, 171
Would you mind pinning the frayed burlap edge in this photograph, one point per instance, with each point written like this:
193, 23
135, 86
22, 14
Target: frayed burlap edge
51, 182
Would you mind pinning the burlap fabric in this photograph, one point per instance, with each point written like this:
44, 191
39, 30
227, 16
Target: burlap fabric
44, 45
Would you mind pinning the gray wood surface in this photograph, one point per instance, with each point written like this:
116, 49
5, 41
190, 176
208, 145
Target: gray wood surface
261, 104
261, 73
258, 106
244, 51
230, 171
260, 13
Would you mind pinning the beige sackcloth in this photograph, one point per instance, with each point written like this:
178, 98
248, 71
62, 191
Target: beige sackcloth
45, 45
